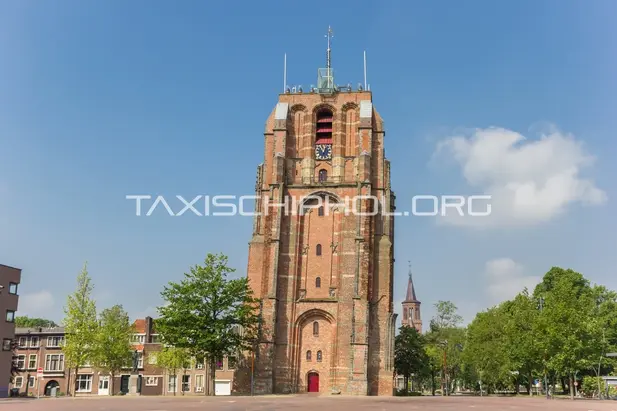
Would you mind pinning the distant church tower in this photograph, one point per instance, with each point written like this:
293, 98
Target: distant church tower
322, 267
411, 307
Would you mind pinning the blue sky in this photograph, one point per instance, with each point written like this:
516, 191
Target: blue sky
103, 99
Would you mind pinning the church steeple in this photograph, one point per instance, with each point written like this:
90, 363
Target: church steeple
411, 306
411, 292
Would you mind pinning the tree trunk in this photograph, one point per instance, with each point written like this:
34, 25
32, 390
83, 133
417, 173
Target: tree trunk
406, 382
530, 384
563, 384
433, 381
571, 386
175, 382
212, 377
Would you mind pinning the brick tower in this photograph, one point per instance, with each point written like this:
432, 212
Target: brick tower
411, 306
322, 265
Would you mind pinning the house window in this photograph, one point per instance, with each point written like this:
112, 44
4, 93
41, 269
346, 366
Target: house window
84, 383
152, 381
12, 288
138, 338
32, 362
318, 249
152, 359
318, 282
316, 329
172, 384
19, 381
231, 363
31, 381
6, 344
23, 342
155, 339
34, 342
323, 176
219, 364
140, 360
21, 362
318, 356
199, 381
54, 362
10, 316
186, 383
55, 342
199, 365
308, 355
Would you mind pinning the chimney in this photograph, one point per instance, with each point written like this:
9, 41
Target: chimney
148, 329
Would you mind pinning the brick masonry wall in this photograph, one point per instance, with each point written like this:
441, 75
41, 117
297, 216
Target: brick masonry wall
352, 300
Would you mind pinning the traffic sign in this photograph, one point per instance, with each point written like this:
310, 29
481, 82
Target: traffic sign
39, 372
576, 383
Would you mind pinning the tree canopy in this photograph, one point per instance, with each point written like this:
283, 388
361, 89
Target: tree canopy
208, 314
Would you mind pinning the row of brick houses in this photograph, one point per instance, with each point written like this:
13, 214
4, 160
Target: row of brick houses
42, 348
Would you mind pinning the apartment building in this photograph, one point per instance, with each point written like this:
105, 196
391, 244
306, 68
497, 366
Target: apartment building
9, 284
42, 348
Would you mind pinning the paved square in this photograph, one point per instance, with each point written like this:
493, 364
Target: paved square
303, 402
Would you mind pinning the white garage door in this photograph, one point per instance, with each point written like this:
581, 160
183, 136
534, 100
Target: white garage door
222, 387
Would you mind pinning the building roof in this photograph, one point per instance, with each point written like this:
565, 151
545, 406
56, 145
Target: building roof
39, 330
140, 325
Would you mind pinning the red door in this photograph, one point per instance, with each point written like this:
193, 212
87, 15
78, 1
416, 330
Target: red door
313, 382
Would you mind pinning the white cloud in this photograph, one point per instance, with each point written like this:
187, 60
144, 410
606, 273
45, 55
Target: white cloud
37, 304
530, 181
505, 278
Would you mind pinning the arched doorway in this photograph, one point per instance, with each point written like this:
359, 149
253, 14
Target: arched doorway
313, 382
51, 384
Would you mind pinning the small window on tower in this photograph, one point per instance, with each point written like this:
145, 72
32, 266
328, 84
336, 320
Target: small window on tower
316, 329
318, 356
318, 282
318, 249
308, 355
320, 211
323, 176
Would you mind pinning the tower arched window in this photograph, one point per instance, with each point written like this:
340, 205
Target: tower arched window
323, 176
319, 356
318, 282
318, 249
308, 355
316, 329
323, 128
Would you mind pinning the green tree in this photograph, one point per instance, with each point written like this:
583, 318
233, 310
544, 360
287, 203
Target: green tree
206, 311
409, 355
112, 345
28, 322
173, 359
446, 317
568, 305
447, 339
80, 325
521, 328
485, 347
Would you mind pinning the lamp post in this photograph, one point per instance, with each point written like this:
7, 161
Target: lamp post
541, 301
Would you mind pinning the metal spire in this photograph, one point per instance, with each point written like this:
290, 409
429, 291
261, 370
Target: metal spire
329, 36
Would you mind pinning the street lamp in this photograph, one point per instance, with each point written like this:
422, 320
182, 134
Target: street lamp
541, 301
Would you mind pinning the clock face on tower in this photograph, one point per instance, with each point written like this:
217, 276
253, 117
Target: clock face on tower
323, 151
